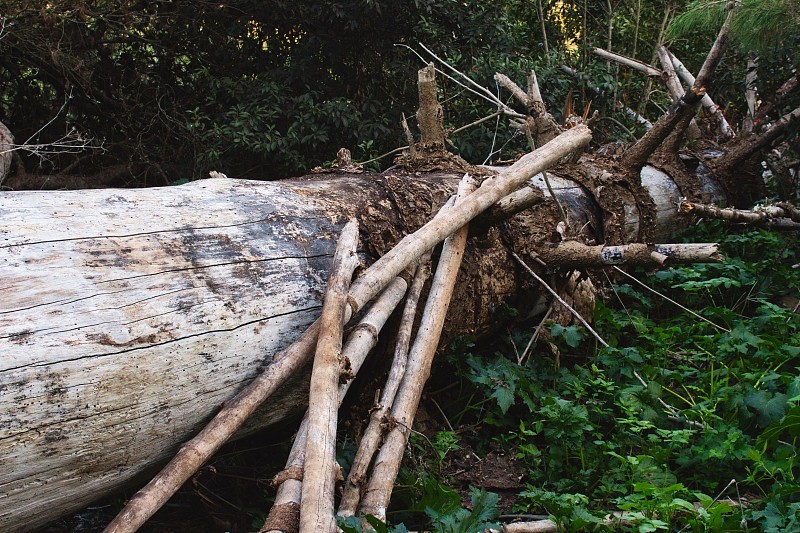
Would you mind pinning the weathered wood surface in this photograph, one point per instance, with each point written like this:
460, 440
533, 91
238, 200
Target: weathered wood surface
128, 316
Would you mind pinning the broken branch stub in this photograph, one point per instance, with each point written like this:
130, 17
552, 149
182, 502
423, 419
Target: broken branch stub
319, 473
430, 116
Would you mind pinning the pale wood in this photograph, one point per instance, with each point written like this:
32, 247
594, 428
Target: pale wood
675, 88
576, 255
420, 358
770, 215
363, 339
628, 62
706, 101
370, 440
158, 317
750, 94
319, 472
670, 76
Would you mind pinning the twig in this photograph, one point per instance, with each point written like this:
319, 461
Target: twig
577, 315
560, 300
535, 335
670, 300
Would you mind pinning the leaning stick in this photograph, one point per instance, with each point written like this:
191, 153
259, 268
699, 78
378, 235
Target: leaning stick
197, 451
285, 512
670, 76
319, 473
628, 62
707, 103
420, 358
372, 435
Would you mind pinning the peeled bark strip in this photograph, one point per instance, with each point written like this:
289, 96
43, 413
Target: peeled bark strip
573, 254
370, 440
319, 473
420, 358
285, 512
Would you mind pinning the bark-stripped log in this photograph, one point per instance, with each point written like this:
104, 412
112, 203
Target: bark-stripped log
127, 317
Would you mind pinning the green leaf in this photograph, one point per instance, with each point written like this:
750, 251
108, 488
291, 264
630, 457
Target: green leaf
789, 424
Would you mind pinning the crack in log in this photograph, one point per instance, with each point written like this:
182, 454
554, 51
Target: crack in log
144, 233
203, 267
148, 346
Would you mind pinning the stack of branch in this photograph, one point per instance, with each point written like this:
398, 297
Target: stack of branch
305, 498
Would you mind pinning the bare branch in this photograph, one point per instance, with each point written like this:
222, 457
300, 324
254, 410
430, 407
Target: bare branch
628, 62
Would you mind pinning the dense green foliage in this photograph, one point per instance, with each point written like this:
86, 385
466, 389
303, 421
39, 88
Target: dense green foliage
271, 89
594, 440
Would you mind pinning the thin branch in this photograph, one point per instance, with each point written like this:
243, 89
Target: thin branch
628, 62
589, 328
561, 300
670, 300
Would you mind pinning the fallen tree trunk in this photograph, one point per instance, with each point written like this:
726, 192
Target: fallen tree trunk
127, 317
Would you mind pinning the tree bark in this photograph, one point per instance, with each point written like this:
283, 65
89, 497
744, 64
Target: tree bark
127, 317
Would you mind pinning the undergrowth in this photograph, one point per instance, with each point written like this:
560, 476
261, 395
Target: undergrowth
602, 451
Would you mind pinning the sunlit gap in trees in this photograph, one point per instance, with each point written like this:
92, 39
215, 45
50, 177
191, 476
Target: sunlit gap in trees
290, 37
571, 36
